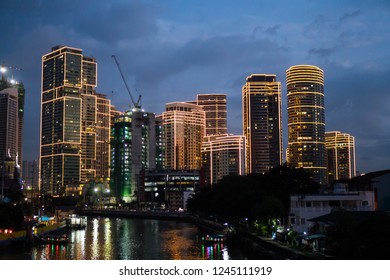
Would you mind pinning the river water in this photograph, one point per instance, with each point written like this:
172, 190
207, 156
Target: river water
128, 239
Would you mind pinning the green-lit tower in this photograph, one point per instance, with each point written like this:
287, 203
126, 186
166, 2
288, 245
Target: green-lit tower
133, 149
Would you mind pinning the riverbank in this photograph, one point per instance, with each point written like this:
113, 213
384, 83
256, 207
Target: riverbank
256, 246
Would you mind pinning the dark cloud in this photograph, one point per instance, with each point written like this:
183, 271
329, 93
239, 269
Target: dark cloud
317, 28
215, 54
272, 30
348, 16
358, 102
170, 51
321, 52
118, 21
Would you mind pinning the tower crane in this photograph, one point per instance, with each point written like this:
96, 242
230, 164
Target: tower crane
136, 105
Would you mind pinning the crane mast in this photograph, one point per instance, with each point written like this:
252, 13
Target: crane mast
135, 104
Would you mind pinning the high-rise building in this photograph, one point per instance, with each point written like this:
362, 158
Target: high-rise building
159, 143
103, 133
8, 124
183, 132
340, 148
223, 155
6, 83
262, 122
68, 111
133, 149
215, 106
168, 189
306, 120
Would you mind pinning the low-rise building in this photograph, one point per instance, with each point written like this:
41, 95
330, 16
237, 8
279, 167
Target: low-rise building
167, 189
304, 207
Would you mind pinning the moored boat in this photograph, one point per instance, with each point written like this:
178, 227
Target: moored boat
42, 229
52, 239
213, 238
8, 236
77, 222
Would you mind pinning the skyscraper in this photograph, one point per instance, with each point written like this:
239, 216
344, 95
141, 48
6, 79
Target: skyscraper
6, 83
340, 149
215, 106
103, 132
8, 124
223, 155
67, 134
183, 132
133, 148
262, 122
306, 120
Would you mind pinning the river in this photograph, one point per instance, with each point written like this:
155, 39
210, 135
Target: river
128, 239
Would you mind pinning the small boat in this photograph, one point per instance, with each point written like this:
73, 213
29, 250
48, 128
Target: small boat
77, 222
213, 238
52, 239
8, 236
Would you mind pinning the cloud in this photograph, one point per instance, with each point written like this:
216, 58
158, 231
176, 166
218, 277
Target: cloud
117, 21
272, 30
349, 16
357, 102
321, 52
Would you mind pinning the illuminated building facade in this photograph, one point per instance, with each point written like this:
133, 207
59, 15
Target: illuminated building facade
262, 122
306, 120
159, 143
133, 149
67, 142
8, 124
215, 106
183, 132
7, 85
103, 134
168, 189
223, 155
340, 149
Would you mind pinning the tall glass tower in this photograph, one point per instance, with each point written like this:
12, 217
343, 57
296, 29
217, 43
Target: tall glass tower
183, 132
67, 119
341, 155
133, 149
6, 83
262, 122
8, 125
215, 106
306, 120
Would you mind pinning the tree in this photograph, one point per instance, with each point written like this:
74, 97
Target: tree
255, 196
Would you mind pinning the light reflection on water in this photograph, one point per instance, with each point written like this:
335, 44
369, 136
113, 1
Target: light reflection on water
128, 239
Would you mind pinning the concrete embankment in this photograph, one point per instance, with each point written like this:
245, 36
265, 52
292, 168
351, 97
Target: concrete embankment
265, 248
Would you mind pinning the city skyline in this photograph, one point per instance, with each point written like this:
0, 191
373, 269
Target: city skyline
172, 51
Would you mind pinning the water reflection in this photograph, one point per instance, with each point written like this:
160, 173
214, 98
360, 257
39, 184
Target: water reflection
129, 239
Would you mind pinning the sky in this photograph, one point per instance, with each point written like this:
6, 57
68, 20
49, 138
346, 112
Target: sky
172, 50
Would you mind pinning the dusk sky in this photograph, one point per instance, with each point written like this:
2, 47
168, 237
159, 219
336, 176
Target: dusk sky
172, 50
